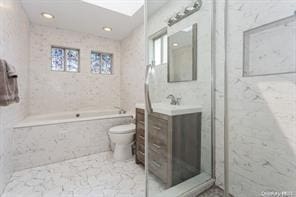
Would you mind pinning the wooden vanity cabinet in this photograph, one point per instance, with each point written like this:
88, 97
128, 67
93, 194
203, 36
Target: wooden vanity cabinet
160, 147
174, 146
140, 136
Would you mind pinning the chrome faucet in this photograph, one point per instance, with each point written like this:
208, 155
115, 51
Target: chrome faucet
174, 100
121, 111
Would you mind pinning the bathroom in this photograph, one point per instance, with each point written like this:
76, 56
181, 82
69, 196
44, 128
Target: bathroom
148, 98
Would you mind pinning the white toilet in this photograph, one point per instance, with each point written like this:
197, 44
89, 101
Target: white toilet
122, 137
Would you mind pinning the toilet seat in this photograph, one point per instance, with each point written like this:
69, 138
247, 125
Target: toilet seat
123, 129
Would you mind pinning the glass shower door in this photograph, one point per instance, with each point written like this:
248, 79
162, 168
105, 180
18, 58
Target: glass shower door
179, 97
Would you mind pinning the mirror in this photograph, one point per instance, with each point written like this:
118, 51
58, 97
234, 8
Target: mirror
182, 47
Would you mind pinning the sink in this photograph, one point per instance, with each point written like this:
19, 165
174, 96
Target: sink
172, 110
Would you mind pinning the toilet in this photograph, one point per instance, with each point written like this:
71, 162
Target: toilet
122, 137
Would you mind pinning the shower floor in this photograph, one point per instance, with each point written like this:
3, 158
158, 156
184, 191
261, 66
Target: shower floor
213, 192
92, 176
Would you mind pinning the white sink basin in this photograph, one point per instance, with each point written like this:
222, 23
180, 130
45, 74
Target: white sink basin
173, 110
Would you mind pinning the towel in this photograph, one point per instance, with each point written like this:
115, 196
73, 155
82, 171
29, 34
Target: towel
8, 84
11, 71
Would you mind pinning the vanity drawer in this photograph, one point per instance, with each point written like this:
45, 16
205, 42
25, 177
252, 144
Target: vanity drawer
140, 115
158, 150
158, 166
157, 121
158, 132
141, 157
140, 143
141, 147
140, 129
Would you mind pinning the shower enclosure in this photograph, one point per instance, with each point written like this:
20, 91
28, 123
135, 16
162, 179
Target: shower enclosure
180, 101
242, 76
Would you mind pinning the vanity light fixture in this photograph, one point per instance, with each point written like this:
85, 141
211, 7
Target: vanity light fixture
47, 15
189, 9
180, 14
107, 29
187, 12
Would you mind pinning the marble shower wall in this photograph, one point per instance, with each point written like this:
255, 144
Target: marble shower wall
195, 92
262, 109
63, 91
14, 48
132, 73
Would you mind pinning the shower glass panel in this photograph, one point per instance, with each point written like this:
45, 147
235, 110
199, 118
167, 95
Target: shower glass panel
179, 127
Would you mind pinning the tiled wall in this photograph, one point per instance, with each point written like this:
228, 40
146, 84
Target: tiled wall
62, 91
132, 70
262, 109
14, 47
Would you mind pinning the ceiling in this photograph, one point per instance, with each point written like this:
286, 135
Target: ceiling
79, 16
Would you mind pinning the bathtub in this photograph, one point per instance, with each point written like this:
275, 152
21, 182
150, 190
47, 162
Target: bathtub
44, 139
64, 117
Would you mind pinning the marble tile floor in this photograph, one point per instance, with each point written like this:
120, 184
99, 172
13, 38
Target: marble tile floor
96, 175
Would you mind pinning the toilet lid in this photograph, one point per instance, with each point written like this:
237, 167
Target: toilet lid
123, 129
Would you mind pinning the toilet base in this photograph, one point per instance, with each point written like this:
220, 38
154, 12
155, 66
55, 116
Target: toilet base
122, 152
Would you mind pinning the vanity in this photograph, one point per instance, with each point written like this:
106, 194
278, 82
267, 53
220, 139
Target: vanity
174, 141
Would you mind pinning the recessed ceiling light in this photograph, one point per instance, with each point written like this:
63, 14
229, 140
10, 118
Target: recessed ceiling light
47, 15
175, 44
128, 8
107, 28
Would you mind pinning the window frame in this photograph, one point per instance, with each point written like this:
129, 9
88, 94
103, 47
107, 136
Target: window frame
65, 59
101, 59
159, 35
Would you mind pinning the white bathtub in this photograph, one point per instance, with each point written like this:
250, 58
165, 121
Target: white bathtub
45, 139
64, 117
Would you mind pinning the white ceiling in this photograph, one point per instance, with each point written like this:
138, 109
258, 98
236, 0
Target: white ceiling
79, 16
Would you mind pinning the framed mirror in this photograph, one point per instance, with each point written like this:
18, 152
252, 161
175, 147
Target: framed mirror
182, 55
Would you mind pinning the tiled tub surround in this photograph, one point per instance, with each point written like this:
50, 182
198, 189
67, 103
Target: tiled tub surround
42, 140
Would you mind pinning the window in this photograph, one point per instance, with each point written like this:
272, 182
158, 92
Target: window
101, 63
64, 59
160, 49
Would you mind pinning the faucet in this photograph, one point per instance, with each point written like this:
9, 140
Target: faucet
174, 100
121, 111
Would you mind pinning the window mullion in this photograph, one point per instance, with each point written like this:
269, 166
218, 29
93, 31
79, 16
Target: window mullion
161, 50
101, 60
65, 60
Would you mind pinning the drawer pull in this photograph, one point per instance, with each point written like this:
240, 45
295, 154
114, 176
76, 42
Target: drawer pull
141, 122
142, 137
156, 164
156, 146
141, 153
156, 128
